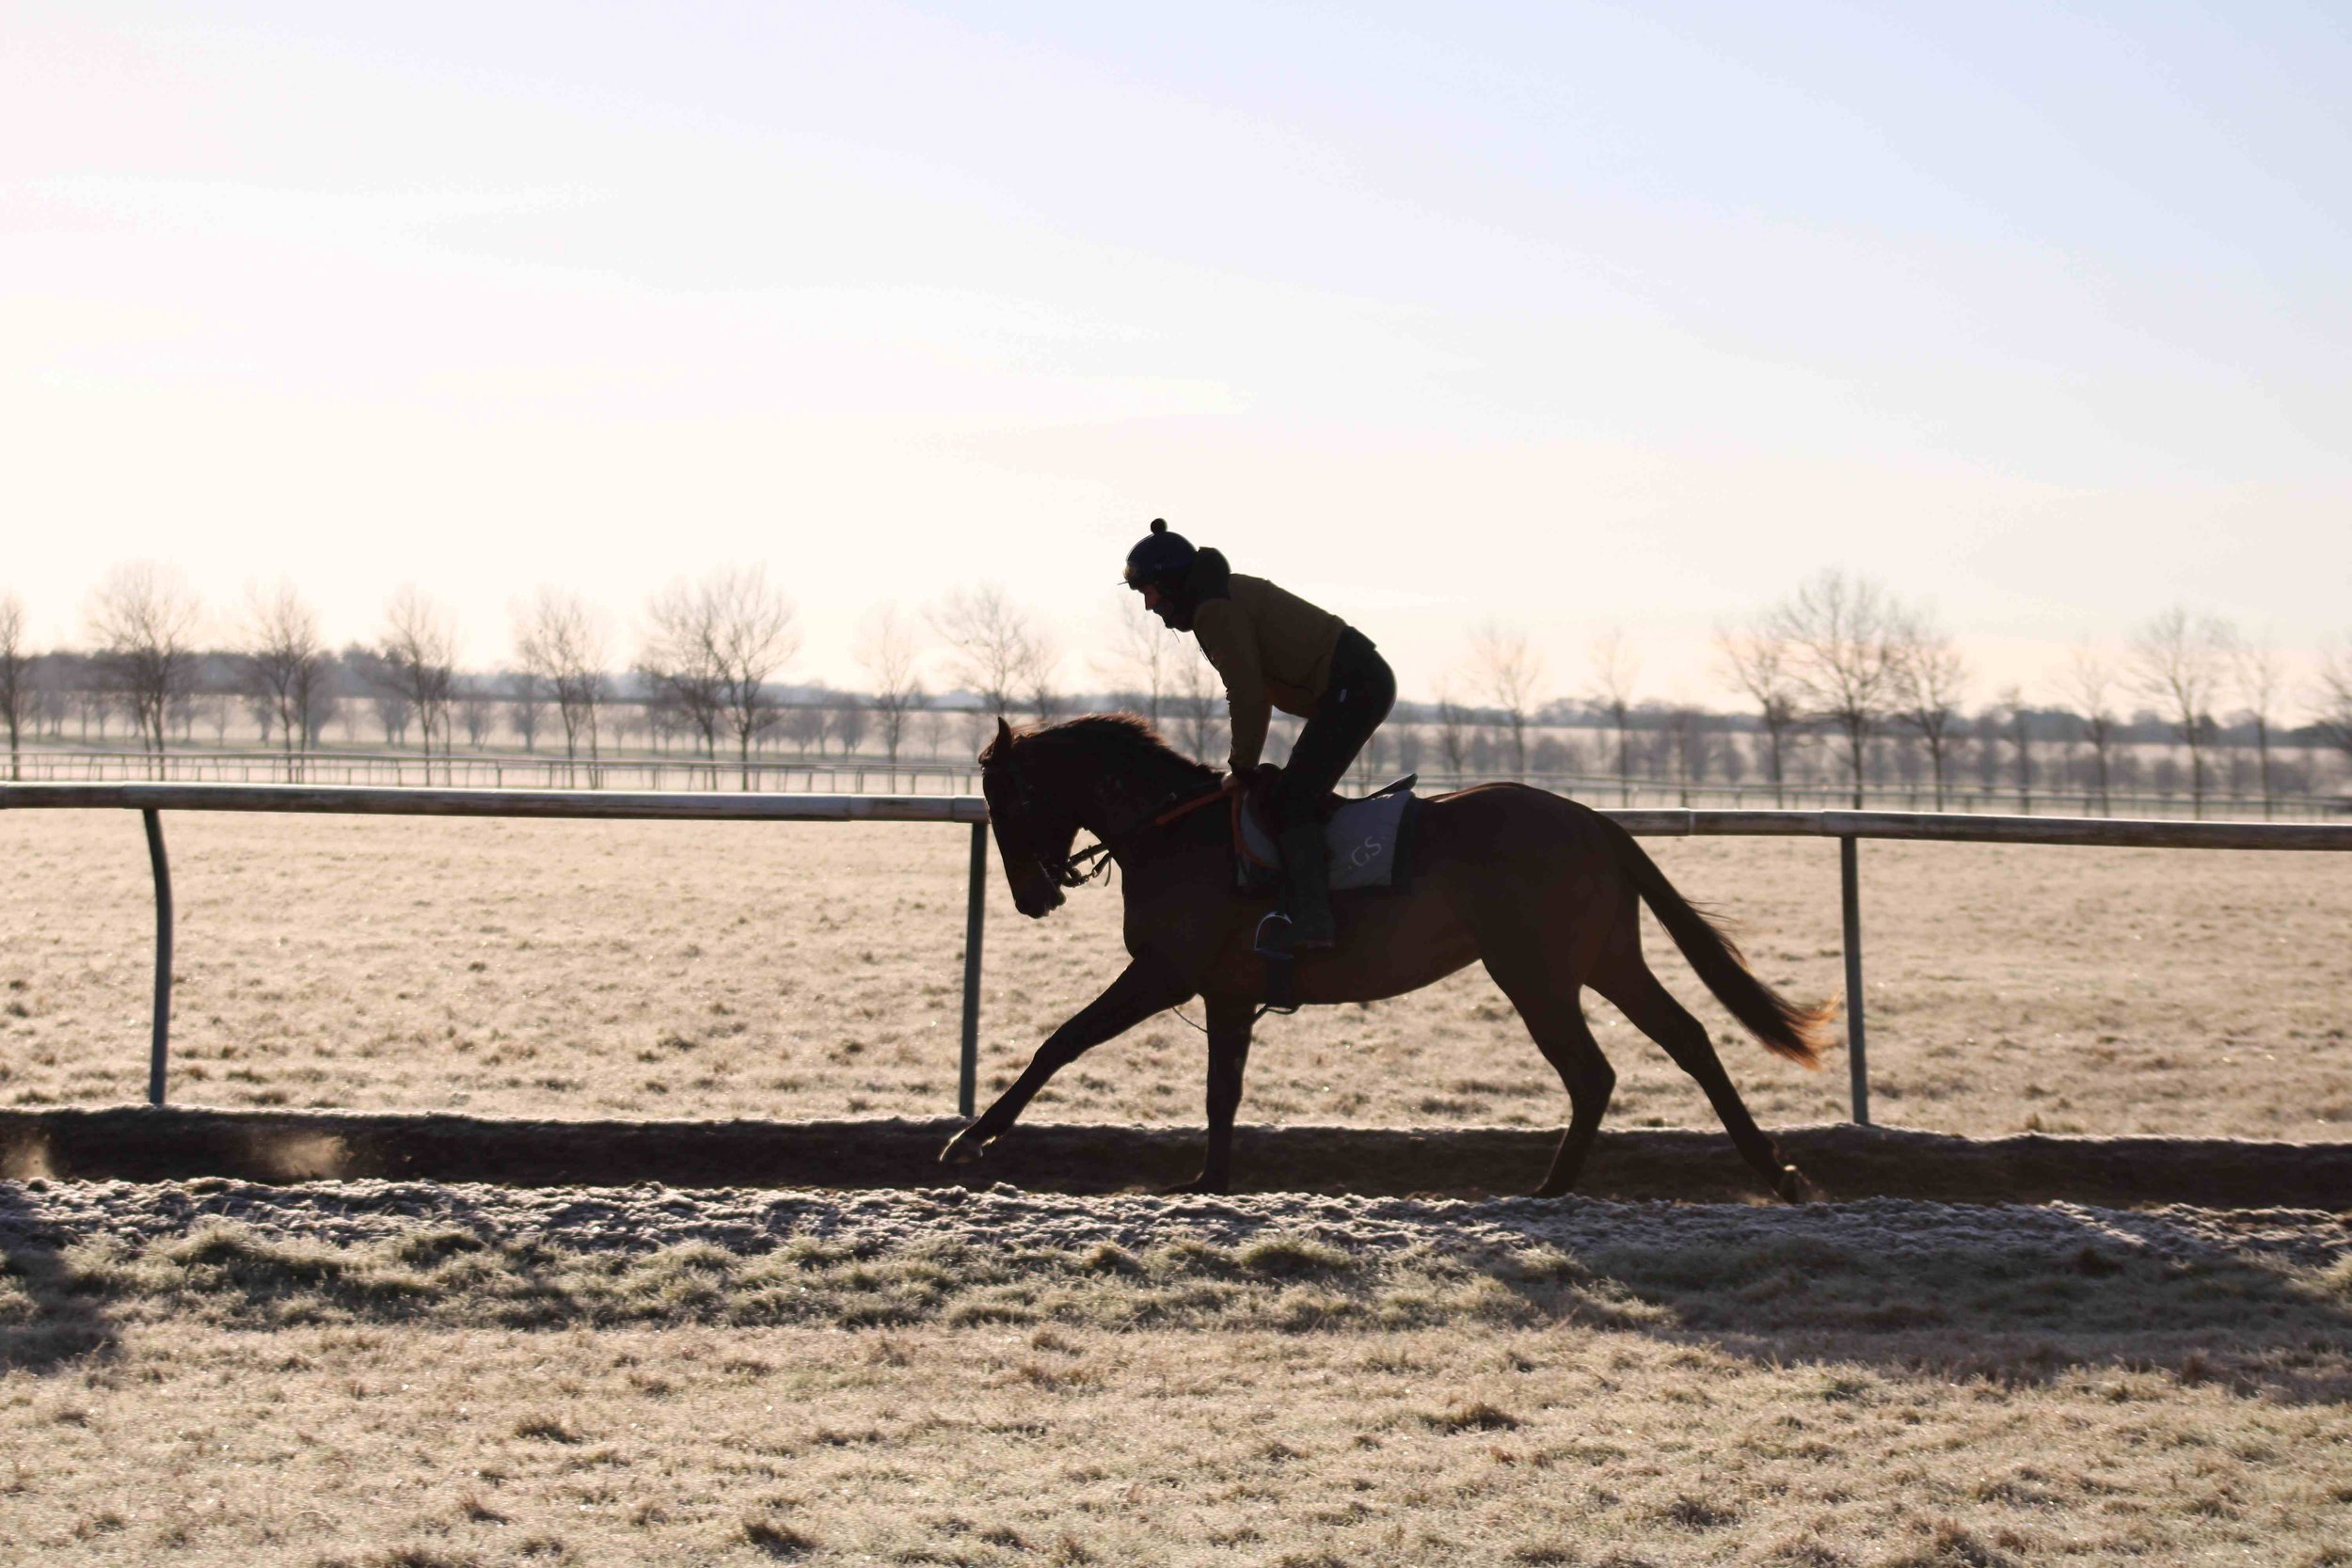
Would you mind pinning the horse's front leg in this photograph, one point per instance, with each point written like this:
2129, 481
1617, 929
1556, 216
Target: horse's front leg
1230, 1023
1141, 990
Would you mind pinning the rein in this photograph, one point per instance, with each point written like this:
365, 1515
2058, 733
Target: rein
1095, 859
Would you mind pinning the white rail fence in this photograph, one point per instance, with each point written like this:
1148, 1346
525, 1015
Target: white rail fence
861, 775
1846, 826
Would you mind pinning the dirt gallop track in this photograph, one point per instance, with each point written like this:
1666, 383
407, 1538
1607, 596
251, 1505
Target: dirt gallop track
137, 1144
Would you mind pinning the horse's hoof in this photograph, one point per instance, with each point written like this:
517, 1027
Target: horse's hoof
1199, 1186
1793, 1186
964, 1149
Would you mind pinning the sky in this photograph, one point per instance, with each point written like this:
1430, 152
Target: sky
1560, 317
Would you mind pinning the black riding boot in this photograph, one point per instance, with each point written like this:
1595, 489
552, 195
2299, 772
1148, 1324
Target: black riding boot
1307, 897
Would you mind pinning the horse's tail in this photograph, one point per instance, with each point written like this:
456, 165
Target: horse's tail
1785, 1028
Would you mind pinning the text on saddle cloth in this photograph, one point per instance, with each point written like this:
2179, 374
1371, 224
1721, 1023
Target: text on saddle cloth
1364, 841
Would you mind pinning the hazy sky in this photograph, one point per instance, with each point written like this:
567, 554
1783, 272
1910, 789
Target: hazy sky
1567, 315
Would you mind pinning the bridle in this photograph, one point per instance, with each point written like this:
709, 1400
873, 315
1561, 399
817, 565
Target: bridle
1080, 867
1062, 871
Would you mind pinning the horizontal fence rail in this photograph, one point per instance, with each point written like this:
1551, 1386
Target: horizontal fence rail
861, 774
648, 805
466, 770
1846, 826
2113, 832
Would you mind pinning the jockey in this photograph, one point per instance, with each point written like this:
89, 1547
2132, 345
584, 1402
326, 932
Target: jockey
1275, 650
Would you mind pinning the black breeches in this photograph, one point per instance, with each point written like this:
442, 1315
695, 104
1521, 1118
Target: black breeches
1361, 692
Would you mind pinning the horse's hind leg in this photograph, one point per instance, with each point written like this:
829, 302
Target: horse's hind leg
1547, 1005
1627, 982
1229, 1023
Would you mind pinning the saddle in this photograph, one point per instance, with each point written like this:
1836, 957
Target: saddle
1367, 841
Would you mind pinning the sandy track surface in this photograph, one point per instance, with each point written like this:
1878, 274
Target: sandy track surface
1844, 1161
646, 1218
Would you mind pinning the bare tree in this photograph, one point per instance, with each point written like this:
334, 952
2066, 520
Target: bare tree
563, 641
2176, 660
2260, 674
264, 717
16, 672
2331, 699
1930, 680
1616, 668
885, 649
2019, 717
804, 726
989, 642
392, 711
1841, 630
285, 663
418, 647
1041, 675
1757, 661
526, 704
1686, 740
2089, 685
849, 723
1142, 656
327, 704
51, 705
754, 637
1511, 671
93, 704
712, 646
475, 714
1198, 687
679, 658
143, 617
1452, 733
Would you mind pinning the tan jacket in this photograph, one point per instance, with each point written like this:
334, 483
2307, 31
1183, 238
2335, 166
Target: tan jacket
1274, 650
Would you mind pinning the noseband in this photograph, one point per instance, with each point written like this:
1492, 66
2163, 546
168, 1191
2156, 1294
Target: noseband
1094, 861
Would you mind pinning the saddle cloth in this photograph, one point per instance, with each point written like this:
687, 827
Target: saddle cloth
1366, 840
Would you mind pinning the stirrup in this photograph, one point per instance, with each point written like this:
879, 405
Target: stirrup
1272, 944
1281, 966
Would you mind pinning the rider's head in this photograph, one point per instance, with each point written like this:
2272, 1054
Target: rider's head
1156, 568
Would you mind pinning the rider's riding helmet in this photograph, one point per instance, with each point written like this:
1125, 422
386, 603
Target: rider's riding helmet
1160, 561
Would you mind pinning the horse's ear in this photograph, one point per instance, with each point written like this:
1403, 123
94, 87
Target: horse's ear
1004, 733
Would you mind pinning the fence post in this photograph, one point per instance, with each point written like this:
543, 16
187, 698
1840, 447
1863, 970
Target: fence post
1858, 1059
974, 912
160, 1046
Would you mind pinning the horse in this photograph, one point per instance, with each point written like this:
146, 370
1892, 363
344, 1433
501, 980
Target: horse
1542, 890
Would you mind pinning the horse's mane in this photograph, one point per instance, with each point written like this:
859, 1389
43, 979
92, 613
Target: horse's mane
1124, 742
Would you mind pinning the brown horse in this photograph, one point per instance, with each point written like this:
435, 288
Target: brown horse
1543, 890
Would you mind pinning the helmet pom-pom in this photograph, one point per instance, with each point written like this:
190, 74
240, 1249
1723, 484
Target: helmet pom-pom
1159, 525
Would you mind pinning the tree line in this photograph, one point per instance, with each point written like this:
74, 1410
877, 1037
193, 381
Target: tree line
1841, 657
1840, 660
704, 664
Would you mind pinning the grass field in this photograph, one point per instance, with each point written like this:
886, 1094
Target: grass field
603, 968
434, 1399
